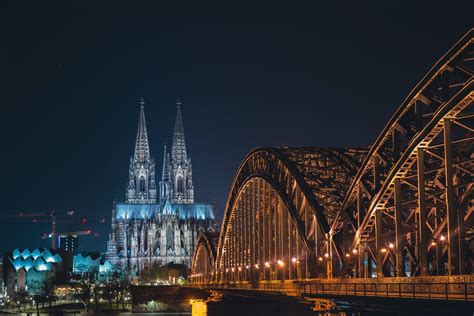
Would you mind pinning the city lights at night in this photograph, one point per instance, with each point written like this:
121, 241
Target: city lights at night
237, 159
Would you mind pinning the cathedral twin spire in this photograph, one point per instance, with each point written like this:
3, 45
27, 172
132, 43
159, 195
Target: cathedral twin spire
176, 185
178, 151
142, 148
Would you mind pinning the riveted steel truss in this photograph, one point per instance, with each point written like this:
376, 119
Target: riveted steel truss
410, 203
204, 258
402, 207
279, 212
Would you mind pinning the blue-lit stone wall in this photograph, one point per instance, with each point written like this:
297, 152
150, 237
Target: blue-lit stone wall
199, 211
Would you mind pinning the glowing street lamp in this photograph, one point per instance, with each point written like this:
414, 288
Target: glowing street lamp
383, 250
391, 245
257, 266
293, 260
442, 238
326, 255
354, 251
280, 263
267, 264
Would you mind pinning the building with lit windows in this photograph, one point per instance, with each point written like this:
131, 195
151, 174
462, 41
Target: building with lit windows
24, 268
158, 223
69, 243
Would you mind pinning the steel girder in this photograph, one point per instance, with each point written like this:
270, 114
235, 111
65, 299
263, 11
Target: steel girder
403, 207
203, 261
310, 184
415, 185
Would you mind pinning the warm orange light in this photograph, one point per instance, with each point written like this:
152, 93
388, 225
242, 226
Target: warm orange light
433, 243
226, 270
257, 266
267, 264
320, 258
348, 255
247, 267
240, 268
354, 251
442, 238
326, 255
232, 269
390, 245
293, 259
383, 250
280, 263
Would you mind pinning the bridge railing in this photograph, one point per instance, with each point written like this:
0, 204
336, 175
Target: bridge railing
430, 291
458, 291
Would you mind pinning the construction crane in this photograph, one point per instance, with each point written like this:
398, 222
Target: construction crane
53, 216
66, 234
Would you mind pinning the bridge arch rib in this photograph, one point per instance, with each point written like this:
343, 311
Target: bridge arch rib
403, 207
279, 211
413, 193
204, 258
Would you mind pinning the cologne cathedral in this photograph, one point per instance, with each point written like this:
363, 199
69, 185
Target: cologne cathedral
158, 224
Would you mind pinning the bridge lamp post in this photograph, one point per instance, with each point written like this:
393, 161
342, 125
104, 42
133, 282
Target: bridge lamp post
267, 265
293, 270
257, 274
281, 265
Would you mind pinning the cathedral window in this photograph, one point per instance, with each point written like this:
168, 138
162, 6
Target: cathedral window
142, 184
169, 237
180, 185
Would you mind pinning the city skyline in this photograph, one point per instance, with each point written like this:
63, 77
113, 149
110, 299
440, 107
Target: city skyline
71, 92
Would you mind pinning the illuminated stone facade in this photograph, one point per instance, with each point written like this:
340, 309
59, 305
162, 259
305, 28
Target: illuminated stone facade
149, 229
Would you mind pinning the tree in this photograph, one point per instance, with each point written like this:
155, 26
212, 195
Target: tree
84, 290
96, 296
43, 291
109, 292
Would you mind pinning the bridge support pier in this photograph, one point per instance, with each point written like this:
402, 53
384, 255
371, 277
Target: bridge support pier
454, 242
399, 259
379, 245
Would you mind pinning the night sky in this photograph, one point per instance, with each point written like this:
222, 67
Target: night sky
248, 76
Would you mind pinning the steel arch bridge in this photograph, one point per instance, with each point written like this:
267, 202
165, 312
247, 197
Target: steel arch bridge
401, 207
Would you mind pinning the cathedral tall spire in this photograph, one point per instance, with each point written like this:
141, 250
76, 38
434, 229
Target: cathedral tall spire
165, 173
142, 148
141, 186
177, 179
178, 151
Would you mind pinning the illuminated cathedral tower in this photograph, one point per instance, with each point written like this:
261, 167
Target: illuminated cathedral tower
176, 183
145, 231
141, 186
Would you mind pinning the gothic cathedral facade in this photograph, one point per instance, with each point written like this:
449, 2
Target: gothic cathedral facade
158, 224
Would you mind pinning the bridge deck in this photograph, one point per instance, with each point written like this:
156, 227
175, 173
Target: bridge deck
452, 289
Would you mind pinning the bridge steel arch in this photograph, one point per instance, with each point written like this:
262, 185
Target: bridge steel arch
411, 202
279, 212
204, 258
403, 207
